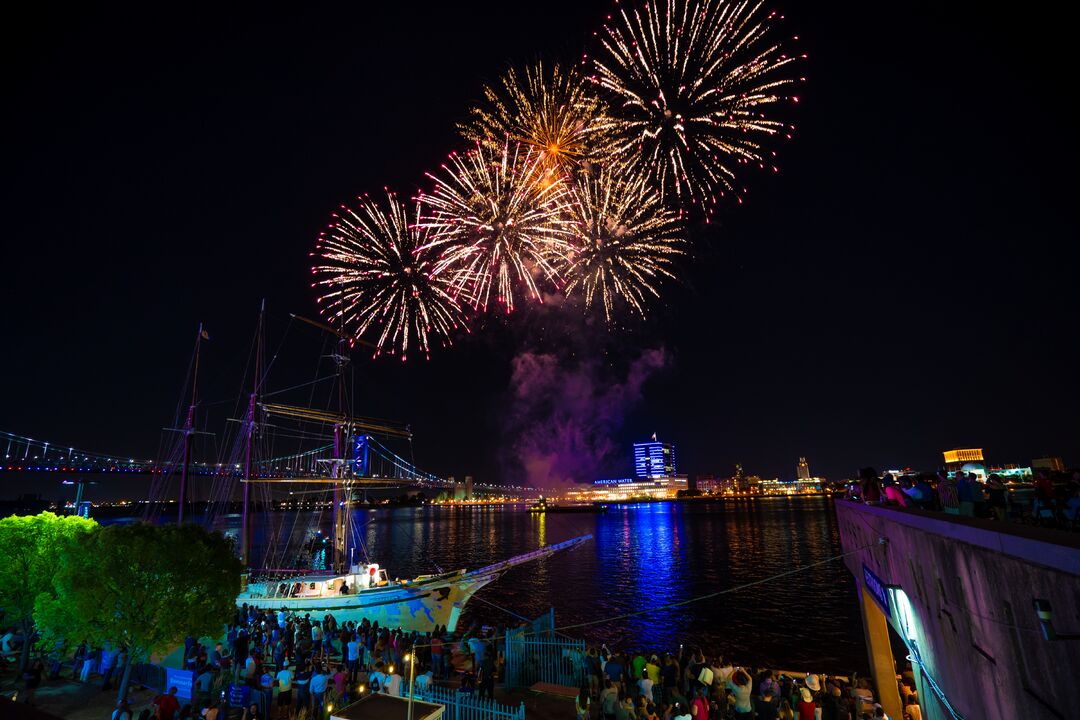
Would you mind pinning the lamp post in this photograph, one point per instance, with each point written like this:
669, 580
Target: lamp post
411, 659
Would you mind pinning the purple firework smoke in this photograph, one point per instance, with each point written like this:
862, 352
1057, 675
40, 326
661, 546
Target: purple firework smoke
565, 415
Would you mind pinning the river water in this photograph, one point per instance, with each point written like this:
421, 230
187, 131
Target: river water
641, 557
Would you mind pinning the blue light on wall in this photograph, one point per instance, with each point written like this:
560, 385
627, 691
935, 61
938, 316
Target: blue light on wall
360, 455
654, 459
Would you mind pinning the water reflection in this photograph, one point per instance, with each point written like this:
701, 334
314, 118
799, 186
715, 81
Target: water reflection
642, 556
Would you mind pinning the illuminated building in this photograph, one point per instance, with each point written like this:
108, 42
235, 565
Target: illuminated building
1052, 464
803, 471
625, 489
654, 459
802, 486
709, 484
955, 459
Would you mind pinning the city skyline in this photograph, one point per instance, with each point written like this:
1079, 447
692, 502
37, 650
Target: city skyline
822, 315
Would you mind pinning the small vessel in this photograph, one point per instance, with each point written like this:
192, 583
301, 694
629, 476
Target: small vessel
544, 506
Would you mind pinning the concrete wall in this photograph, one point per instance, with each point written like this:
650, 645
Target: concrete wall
971, 585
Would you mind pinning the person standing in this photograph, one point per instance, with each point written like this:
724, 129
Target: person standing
166, 705
486, 680
806, 709
284, 683
353, 650
739, 685
609, 698
437, 655
581, 703
32, 681
108, 665
319, 682
645, 685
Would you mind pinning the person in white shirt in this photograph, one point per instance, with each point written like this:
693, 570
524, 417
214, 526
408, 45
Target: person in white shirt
645, 686
284, 682
425, 681
393, 684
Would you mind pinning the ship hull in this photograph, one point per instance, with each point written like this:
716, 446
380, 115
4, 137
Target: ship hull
413, 606
420, 604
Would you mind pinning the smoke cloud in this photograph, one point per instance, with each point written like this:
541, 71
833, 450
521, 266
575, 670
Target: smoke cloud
565, 414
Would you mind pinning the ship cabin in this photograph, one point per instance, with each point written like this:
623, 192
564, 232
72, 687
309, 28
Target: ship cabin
362, 577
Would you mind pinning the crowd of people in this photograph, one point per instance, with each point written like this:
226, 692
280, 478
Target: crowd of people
693, 686
1052, 499
279, 665
276, 665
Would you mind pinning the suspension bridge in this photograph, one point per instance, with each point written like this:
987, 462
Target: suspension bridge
373, 463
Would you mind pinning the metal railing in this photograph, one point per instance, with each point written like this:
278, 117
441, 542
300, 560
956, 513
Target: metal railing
467, 706
544, 659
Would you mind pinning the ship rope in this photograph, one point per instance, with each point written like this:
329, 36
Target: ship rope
689, 601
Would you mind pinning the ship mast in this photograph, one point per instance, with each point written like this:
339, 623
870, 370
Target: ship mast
342, 513
189, 428
249, 445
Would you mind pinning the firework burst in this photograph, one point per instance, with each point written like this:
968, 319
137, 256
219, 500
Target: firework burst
378, 281
552, 109
690, 82
627, 242
498, 220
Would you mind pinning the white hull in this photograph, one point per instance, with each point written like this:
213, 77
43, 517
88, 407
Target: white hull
419, 604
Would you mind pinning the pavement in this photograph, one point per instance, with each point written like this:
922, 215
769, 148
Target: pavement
75, 700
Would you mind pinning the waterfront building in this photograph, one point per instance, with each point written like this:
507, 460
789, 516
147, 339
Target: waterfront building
1051, 464
955, 459
628, 489
802, 486
709, 484
654, 459
803, 470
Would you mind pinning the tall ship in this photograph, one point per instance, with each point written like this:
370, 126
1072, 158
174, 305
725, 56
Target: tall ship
343, 457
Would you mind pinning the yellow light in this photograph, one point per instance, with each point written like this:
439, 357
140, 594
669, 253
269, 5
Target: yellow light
407, 657
330, 708
359, 688
391, 669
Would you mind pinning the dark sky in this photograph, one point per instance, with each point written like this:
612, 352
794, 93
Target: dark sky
906, 284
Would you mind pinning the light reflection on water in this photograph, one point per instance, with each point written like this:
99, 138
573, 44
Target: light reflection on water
642, 556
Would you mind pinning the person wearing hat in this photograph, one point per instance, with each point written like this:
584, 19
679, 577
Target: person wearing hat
805, 708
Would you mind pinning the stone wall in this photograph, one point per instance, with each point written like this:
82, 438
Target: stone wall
970, 586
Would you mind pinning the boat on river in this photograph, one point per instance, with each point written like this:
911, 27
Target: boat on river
367, 592
545, 506
341, 466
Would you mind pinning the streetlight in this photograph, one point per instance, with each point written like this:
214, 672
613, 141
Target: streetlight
411, 659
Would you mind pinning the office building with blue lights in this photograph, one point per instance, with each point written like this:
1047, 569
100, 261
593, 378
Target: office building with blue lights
654, 459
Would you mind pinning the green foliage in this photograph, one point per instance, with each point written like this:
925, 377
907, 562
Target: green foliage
145, 586
31, 549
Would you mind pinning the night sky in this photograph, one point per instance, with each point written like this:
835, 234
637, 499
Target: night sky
906, 283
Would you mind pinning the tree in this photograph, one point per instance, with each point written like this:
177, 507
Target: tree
146, 587
31, 548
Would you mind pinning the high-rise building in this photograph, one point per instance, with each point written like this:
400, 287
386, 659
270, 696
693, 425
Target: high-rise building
654, 459
803, 471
